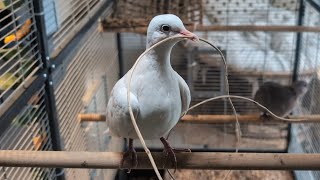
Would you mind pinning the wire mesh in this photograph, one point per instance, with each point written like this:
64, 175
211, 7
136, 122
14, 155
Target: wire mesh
19, 54
28, 131
260, 12
252, 57
305, 136
64, 19
259, 51
93, 65
206, 81
83, 66
98, 138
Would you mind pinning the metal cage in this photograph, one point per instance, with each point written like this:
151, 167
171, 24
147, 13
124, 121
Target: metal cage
253, 57
19, 47
304, 136
29, 130
55, 64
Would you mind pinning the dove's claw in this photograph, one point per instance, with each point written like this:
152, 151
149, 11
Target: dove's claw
130, 154
170, 152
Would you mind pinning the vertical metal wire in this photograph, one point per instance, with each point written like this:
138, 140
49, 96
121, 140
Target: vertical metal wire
28, 126
298, 43
266, 44
31, 122
305, 136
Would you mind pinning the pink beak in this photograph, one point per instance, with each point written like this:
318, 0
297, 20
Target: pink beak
192, 36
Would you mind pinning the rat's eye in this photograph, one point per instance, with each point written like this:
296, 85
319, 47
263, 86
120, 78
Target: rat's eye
165, 28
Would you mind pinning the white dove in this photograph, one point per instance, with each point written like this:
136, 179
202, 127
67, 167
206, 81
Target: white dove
159, 95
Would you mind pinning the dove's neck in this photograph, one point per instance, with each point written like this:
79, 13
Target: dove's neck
161, 54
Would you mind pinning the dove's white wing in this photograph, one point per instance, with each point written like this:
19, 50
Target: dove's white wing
118, 117
184, 94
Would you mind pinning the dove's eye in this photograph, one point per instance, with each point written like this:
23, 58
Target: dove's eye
165, 28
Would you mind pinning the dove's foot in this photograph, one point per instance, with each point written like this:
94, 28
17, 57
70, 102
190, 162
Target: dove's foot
130, 155
170, 152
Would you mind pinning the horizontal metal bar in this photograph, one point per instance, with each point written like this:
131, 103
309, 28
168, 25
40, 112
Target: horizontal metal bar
200, 160
10, 5
18, 48
17, 100
61, 55
22, 76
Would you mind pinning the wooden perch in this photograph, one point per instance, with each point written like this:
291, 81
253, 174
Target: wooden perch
198, 160
103, 26
254, 118
92, 117
243, 118
268, 74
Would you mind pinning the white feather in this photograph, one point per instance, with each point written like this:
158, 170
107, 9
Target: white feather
159, 95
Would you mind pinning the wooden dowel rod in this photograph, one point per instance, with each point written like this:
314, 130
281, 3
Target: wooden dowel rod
219, 118
210, 119
223, 28
92, 117
268, 74
254, 118
197, 160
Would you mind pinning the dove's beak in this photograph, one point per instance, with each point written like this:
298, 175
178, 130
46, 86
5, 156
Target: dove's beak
192, 36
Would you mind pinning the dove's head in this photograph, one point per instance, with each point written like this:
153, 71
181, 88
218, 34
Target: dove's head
300, 87
164, 26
